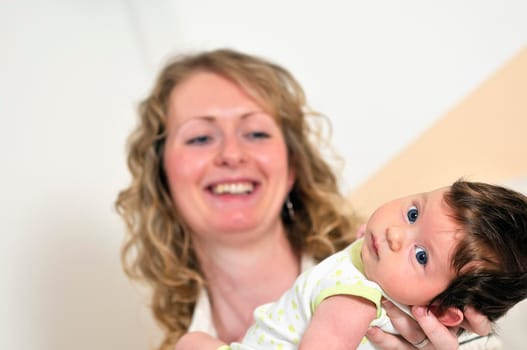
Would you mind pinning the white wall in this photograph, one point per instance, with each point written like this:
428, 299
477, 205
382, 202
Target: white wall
71, 73
70, 76
382, 70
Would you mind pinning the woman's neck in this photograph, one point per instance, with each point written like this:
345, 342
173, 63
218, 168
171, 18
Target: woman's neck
240, 278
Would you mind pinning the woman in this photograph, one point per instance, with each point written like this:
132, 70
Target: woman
230, 199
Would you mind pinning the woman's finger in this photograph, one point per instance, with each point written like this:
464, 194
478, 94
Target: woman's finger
387, 341
439, 336
410, 331
403, 323
476, 322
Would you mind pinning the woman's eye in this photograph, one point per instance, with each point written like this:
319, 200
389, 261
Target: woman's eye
258, 135
412, 214
421, 256
199, 140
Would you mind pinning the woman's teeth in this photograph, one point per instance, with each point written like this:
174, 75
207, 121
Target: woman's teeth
238, 188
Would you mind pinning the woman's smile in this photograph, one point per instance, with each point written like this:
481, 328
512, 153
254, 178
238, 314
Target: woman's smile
232, 188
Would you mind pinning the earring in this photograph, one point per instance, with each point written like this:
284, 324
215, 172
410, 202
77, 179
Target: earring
290, 208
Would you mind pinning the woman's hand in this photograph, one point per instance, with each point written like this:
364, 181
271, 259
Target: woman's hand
413, 332
425, 332
476, 322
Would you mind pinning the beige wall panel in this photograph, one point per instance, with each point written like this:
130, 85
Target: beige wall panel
484, 137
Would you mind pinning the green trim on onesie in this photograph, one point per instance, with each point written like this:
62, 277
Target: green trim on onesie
355, 253
359, 290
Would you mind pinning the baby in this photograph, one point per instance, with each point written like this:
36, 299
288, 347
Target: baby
461, 245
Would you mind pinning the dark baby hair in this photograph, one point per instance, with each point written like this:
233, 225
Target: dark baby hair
491, 260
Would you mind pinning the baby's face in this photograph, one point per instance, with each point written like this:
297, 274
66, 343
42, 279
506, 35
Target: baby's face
408, 245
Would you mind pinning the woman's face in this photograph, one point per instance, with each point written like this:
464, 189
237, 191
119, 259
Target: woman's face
225, 160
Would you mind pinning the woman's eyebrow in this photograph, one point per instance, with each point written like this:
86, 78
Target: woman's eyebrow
244, 115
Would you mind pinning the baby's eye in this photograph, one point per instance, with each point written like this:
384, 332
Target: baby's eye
412, 214
421, 256
199, 140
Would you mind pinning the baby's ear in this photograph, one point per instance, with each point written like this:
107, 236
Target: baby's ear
451, 317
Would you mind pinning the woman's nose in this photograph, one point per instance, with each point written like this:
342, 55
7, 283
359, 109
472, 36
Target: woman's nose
231, 153
395, 236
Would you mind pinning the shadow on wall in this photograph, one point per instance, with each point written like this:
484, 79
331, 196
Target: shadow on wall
70, 291
481, 138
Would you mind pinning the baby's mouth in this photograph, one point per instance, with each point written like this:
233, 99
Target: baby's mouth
374, 246
238, 188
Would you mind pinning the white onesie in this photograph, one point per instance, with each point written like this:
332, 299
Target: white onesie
281, 324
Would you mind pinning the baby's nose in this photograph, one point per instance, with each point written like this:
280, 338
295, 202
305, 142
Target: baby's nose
395, 236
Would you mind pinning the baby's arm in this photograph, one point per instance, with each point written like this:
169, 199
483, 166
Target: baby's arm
339, 322
198, 340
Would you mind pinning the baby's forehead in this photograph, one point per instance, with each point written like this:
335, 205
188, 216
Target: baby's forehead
437, 192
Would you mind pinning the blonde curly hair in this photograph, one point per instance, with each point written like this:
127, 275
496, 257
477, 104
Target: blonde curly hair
158, 247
